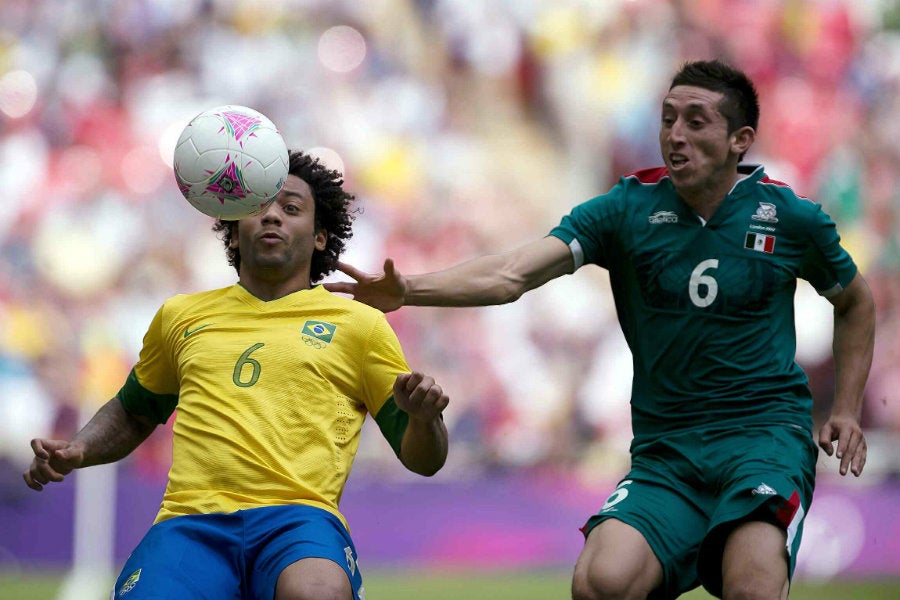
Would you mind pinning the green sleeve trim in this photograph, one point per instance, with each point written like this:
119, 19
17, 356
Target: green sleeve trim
392, 421
138, 400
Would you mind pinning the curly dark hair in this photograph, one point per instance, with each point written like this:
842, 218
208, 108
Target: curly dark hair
333, 214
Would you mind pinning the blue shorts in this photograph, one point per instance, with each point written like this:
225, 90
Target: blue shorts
235, 555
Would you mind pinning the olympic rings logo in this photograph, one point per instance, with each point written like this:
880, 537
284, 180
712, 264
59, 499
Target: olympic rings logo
313, 343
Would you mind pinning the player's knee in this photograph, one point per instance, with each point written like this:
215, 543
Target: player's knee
600, 582
755, 563
754, 585
313, 579
753, 590
317, 590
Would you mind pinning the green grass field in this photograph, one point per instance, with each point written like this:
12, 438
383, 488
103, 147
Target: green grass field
478, 586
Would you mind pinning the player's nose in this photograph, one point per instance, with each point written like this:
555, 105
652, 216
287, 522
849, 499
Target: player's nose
271, 214
677, 131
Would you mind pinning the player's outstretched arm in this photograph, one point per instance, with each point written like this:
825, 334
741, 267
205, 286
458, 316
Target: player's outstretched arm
110, 435
854, 340
424, 446
486, 280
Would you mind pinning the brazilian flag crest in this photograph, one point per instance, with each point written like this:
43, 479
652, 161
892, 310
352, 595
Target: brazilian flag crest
130, 583
320, 330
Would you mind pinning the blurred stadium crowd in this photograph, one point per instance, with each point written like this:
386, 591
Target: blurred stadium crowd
463, 127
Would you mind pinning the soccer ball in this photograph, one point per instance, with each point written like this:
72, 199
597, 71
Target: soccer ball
230, 162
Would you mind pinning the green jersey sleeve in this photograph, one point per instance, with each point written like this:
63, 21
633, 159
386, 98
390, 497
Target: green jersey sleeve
827, 266
589, 227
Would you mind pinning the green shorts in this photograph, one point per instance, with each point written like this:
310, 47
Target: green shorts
687, 491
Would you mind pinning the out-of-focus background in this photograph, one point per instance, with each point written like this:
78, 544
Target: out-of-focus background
464, 127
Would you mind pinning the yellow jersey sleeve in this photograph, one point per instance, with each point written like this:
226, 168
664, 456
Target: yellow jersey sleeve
383, 362
151, 389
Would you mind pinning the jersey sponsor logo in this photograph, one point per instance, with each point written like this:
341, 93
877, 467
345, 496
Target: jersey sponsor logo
663, 216
765, 212
764, 490
319, 330
759, 242
130, 583
188, 331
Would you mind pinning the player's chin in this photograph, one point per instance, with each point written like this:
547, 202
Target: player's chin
684, 179
272, 259
679, 172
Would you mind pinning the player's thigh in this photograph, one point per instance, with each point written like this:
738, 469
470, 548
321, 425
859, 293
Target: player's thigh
616, 562
313, 579
771, 476
755, 562
650, 530
301, 552
191, 556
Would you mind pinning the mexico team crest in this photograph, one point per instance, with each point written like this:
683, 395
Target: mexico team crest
765, 213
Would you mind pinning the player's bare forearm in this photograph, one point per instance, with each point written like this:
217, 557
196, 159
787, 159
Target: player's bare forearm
424, 446
853, 345
483, 281
492, 279
109, 436
478, 282
112, 434
854, 339
423, 449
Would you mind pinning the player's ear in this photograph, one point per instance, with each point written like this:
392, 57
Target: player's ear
321, 238
742, 139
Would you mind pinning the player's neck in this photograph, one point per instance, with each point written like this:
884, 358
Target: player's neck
706, 199
272, 289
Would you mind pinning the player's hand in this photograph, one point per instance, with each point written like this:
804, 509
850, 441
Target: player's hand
385, 291
419, 396
851, 443
53, 460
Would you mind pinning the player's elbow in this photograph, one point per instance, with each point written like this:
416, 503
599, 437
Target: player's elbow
428, 472
425, 465
511, 294
426, 468
508, 289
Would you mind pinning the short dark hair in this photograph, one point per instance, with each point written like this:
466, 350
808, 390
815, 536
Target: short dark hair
333, 214
740, 103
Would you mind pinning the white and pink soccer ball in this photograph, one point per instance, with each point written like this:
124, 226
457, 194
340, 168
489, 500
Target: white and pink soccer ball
230, 162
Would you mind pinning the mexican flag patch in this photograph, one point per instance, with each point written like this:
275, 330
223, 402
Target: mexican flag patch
759, 242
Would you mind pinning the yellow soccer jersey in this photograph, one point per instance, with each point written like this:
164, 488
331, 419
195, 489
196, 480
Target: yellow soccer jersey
271, 396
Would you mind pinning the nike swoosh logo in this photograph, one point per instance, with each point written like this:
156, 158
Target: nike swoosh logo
190, 331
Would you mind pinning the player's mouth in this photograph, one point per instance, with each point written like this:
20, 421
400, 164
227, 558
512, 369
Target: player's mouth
677, 161
271, 237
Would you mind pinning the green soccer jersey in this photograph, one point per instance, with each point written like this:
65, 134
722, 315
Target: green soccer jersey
708, 308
